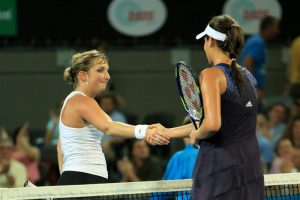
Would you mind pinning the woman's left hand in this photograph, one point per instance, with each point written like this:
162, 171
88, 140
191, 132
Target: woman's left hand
193, 137
156, 135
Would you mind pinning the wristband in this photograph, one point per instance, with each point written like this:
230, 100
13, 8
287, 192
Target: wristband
140, 131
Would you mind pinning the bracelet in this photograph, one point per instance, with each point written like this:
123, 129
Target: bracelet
140, 131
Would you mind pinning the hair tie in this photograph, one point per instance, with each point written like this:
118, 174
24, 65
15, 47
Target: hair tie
233, 60
71, 71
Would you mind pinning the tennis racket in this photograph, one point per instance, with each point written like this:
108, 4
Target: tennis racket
189, 92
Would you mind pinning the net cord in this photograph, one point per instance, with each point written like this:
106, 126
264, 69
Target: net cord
47, 192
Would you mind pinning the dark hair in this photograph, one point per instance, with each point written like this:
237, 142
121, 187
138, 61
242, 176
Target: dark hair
131, 145
288, 132
233, 43
278, 143
272, 106
266, 22
109, 95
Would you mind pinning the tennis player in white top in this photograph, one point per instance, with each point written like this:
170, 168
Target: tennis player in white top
80, 157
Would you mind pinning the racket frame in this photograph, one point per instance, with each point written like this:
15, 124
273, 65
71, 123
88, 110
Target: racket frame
182, 98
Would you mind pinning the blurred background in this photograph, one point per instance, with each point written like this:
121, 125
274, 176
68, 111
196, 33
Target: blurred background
37, 39
143, 40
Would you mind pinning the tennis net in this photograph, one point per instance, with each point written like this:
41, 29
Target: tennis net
277, 187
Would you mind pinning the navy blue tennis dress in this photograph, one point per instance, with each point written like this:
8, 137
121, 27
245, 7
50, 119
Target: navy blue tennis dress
228, 166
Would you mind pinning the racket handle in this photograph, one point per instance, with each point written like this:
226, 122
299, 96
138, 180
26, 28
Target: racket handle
194, 123
196, 145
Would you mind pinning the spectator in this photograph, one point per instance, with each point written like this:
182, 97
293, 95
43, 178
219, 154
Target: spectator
292, 131
263, 137
181, 164
49, 152
294, 69
113, 148
276, 117
52, 129
296, 159
295, 108
110, 103
142, 166
283, 162
12, 172
253, 56
26, 153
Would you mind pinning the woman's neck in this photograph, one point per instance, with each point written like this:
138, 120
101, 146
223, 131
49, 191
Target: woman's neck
85, 92
220, 57
80, 90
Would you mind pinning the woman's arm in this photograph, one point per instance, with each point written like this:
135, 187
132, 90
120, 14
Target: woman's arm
23, 140
213, 84
181, 131
127, 170
32, 151
90, 112
51, 126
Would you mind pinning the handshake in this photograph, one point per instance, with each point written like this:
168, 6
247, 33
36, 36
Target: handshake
156, 134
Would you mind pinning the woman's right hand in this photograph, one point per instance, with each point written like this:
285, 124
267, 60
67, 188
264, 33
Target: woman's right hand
157, 135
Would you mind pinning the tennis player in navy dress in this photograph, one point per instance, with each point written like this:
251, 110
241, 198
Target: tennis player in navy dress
228, 165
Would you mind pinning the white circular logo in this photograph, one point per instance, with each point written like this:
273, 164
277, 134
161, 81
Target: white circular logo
248, 13
137, 17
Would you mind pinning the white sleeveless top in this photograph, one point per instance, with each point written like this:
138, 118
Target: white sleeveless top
81, 147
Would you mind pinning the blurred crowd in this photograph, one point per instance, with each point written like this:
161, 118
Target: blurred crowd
23, 156
28, 155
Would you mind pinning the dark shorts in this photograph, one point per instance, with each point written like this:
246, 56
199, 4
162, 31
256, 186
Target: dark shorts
78, 178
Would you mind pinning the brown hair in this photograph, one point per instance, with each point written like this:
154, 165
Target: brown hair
266, 22
233, 43
81, 62
288, 132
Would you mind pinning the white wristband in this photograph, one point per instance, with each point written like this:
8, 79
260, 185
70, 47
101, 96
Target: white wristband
140, 131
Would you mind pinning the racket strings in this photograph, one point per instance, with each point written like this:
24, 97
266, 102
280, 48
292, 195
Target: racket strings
189, 90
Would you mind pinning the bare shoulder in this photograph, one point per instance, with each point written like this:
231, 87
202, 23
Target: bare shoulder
210, 73
76, 109
81, 102
77, 99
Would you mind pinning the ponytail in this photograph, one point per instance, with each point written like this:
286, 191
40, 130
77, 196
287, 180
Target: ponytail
237, 76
